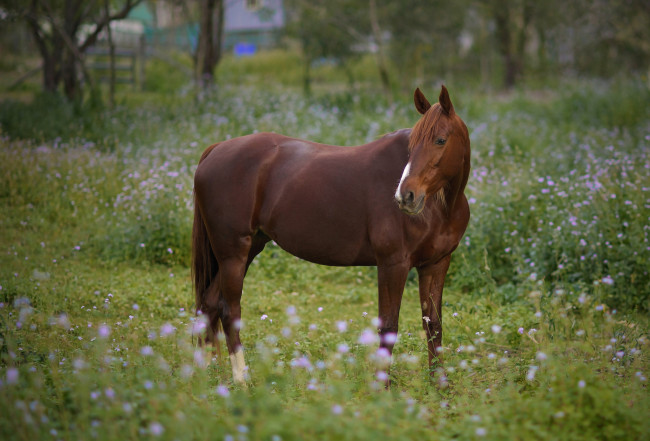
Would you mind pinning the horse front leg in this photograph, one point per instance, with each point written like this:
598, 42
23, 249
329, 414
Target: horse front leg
391, 281
431, 279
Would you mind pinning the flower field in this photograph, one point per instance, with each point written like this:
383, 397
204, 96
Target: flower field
545, 312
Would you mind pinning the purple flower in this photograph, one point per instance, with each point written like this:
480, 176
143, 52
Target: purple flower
368, 337
12, 375
103, 331
156, 429
223, 391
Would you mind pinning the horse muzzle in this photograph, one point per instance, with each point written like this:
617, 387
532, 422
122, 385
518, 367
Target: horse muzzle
410, 204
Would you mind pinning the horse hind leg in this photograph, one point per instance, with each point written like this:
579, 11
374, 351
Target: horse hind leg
212, 310
233, 271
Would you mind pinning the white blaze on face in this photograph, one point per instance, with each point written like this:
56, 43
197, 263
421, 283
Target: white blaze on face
405, 174
238, 365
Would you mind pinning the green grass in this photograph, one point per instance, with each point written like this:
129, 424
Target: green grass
545, 310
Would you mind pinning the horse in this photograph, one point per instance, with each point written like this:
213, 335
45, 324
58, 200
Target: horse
395, 203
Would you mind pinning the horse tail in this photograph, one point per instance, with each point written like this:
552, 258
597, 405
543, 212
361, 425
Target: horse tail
204, 263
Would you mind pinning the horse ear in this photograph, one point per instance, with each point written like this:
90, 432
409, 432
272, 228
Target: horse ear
445, 102
421, 103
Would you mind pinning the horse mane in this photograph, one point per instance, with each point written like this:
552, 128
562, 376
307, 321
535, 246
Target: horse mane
425, 129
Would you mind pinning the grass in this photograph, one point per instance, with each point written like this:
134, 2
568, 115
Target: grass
545, 311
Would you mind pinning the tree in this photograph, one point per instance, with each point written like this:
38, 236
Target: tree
512, 19
325, 29
208, 48
55, 26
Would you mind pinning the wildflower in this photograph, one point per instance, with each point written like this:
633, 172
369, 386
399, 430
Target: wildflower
480, 431
223, 391
607, 280
496, 329
264, 317
455, 314
390, 338
541, 356
337, 409
199, 358
383, 353
530, 376
343, 348
600, 307
368, 337
291, 310
146, 351
103, 331
320, 309
520, 330
166, 329
341, 326
426, 319
382, 376
12, 375
110, 393
156, 429
581, 384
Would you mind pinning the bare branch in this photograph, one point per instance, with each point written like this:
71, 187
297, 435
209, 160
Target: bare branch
90, 40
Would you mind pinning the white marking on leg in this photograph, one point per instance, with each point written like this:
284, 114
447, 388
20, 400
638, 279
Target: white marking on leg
405, 174
238, 365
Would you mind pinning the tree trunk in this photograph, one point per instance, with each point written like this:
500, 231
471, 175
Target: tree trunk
306, 76
381, 59
208, 50
504, 42
111, 53
70, 78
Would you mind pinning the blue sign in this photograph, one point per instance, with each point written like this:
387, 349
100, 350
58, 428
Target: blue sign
244, 49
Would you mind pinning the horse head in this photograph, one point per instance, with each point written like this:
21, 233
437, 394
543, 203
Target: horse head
438, 156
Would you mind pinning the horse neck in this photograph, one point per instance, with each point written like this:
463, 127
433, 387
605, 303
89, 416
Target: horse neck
456, 186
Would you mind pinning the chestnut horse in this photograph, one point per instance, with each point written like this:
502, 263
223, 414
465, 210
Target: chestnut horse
396, 203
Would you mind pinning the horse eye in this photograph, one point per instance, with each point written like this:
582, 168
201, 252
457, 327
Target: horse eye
440, 141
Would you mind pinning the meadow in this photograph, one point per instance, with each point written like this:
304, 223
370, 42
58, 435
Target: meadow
545, 312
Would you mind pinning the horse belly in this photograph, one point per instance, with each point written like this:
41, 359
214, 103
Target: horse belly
316, 227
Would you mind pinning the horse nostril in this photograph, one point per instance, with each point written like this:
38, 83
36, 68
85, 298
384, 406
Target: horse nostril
408, 197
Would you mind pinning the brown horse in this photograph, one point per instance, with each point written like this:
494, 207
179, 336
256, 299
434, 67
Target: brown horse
334, 205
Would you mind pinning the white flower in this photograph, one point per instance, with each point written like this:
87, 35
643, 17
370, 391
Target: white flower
496, 329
